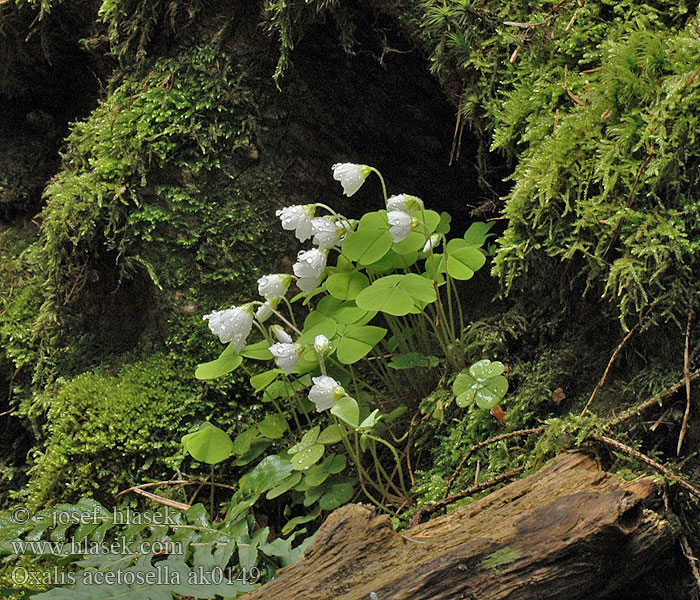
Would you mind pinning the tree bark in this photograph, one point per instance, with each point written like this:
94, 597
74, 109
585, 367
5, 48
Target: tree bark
566, 532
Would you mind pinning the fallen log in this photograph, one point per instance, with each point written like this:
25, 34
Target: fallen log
569, 531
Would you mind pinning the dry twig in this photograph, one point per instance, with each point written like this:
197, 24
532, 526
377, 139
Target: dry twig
607, 370
686, 356
656, 399
646, 460
692, 561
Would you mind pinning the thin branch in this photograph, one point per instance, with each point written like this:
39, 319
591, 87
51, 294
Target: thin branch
163, 501
646, 460
692, 561
191, 481
635, 410
481, 445
607, 369
686, 357
429, 509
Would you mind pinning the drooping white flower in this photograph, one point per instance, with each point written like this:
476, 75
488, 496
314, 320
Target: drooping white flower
266, 309
286, 356
309, 268
400, 225
232, 325
432, 242
351, 176
297, 218
272, 286
282, 336
326, 233
307, 284
404, 203
321, 344
325, 392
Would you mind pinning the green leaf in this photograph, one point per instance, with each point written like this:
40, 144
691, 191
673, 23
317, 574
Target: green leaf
464, 262
481, 383
418, 287
292, 524
243, 440
373, 220
209, 444
336, 496
346, 285
328, 327
347, 410
330, 435
316, 475
267, 474
485, 369
367, 246
413, 242
491, 392
357, 342
444, 225
309, 438
308, 456
335, 463
386, 296
257, 351
411, 360
478, 233
228, 361
370, 420
273, 426
286, 485
262, 380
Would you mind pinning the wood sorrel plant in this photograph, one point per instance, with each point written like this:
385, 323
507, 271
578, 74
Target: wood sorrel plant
381, 297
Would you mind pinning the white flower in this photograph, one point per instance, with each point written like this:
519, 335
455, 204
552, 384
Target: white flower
286, 356
281, 335
307, 284
321, 344
432, 242
232, 325
298, 219
266, 309
326, 233
325, 392
400, 225
309, 268
404, 203
351, 176
271, 286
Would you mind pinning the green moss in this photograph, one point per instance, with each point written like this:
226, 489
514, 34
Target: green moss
106, 433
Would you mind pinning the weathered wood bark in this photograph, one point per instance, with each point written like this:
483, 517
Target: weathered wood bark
568, 531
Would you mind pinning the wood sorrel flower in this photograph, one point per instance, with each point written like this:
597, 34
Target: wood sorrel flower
400, 225
232, 325
286, 356
309, 268
281, 335
404, 203
297, 218
432, 242
272, 286
351, 176
266, 309
321, 344
325, 392
326, 233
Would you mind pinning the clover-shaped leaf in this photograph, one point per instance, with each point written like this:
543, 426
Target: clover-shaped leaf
481, 383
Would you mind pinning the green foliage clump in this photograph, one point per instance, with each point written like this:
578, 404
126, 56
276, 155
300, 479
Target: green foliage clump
612, 189
152, 192
106, 433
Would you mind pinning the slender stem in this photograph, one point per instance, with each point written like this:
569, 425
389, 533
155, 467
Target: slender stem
382, 180
396, 458
211, 495
291, 311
